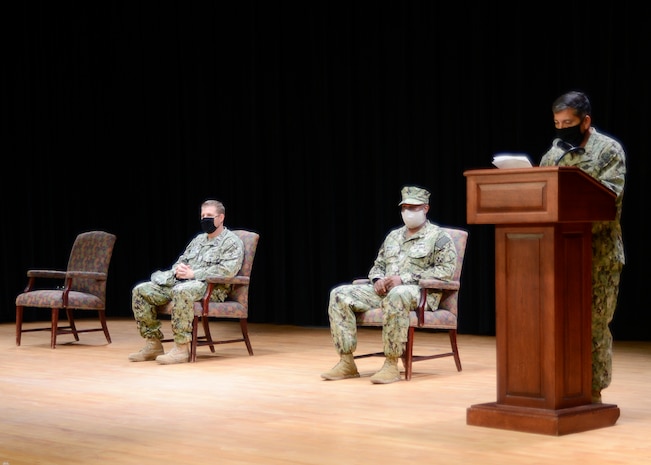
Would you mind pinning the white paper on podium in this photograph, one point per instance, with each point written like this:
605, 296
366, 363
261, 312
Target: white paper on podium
512, 160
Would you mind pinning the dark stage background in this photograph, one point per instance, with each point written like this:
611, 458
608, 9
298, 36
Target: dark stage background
306, 119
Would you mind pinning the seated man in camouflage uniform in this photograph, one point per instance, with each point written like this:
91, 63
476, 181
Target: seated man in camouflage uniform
419, 249
216, 251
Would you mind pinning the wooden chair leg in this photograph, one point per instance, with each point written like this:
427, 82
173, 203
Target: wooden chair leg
102, 320
71, 323
206, 331
455, 351
19, 324
193, 341
409, 351
55, 327
245, 335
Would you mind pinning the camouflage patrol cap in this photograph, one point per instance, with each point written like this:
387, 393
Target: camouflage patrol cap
413, 195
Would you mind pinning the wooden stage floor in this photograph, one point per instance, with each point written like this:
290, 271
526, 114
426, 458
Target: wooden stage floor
85, 403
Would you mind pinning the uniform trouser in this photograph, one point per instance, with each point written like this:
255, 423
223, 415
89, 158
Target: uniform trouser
146, 296
605, 288
348, 299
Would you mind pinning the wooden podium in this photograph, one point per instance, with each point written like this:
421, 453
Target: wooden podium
543, 295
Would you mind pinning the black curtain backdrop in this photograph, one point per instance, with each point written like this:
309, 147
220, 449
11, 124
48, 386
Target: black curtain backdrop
305, 119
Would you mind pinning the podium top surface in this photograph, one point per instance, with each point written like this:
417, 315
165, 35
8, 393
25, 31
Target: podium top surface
536, 195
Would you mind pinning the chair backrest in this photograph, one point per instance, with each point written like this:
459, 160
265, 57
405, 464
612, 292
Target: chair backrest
449, 299
250, 240
91, 251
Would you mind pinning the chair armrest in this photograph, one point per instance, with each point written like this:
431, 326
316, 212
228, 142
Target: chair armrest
361, 281
433, 283
228, 280
32, 275
212, 280
87, 275
428, 284
52, 274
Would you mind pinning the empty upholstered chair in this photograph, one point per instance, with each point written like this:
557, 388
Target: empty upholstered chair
82, 286
235, 307
444, 318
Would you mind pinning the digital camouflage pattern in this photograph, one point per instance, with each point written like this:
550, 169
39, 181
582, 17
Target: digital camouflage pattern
430, 253
413, 195
222, 255
605, 160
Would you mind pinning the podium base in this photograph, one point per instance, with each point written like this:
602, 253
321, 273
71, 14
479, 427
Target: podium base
543, 421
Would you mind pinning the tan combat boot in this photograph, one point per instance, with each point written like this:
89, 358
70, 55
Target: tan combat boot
152, 349
180, 353
346, 368
389, 373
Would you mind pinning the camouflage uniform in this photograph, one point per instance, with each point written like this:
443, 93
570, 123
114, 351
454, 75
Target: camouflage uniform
605, 160
430, 253
221, 255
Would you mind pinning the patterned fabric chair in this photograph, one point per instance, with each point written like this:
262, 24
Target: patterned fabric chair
236, 305
444, 318
83, 287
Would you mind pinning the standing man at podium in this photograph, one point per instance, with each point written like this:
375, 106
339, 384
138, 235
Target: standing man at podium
579, 144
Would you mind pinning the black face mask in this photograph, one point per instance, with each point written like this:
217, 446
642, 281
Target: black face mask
571, 135
208, 225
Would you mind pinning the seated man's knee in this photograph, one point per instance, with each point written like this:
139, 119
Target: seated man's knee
137, 289
399, 292
338, 291
401, 295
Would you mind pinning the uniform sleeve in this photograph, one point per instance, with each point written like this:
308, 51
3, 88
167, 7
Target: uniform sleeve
183, 258
613, 168
378, 270
444, 259
548, 158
